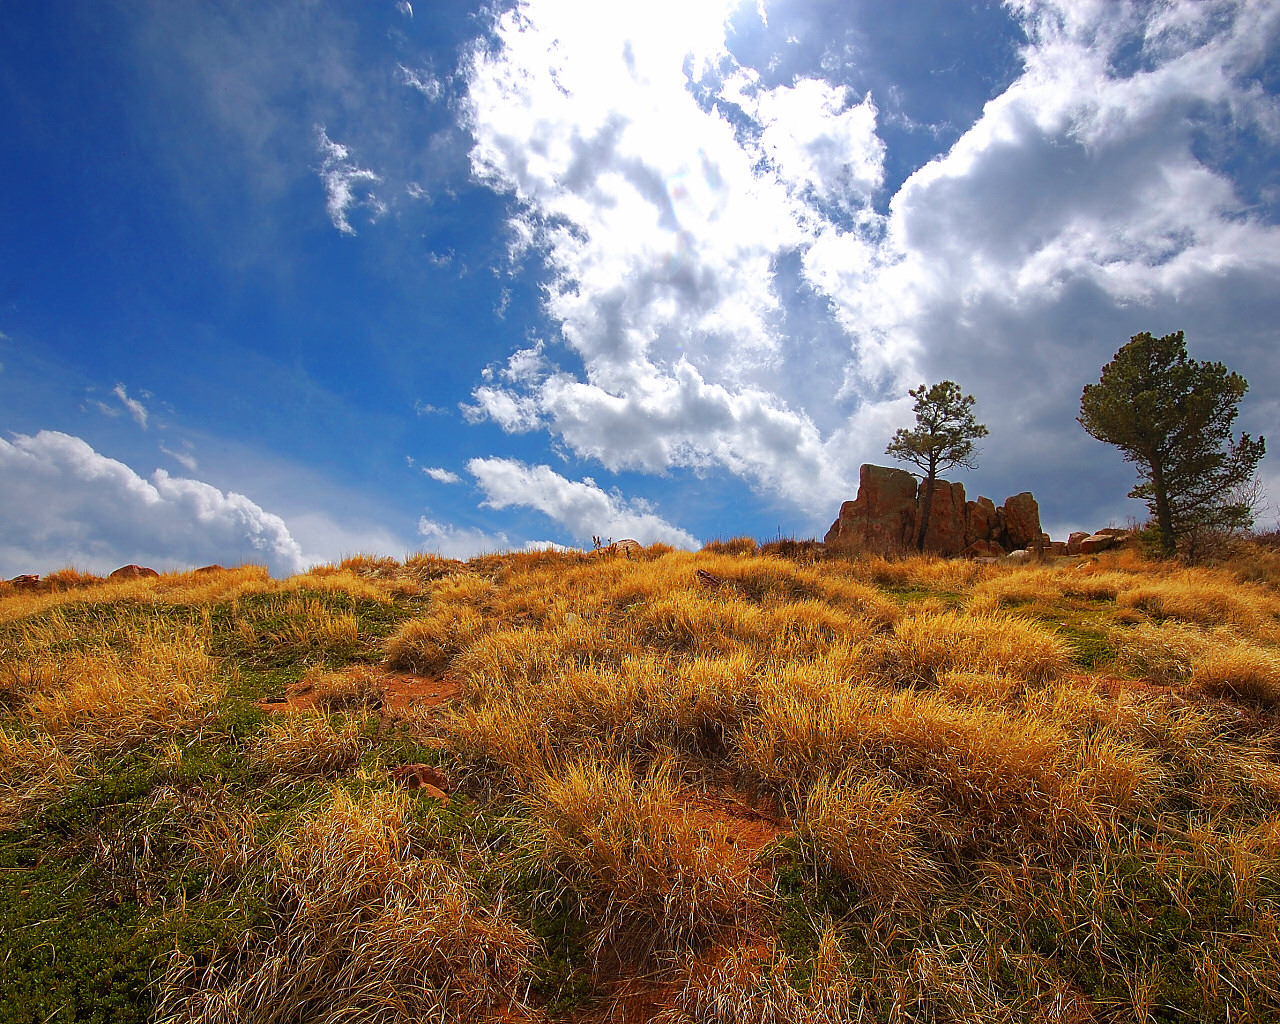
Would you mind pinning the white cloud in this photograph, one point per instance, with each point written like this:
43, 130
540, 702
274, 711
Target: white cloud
422, 81
581, 507
1078, 208
136, 409
185, 459
405, 8
62, 503
442, 475
341, 178
460, 542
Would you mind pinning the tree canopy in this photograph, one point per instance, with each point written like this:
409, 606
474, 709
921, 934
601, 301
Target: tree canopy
1172, 415
943, 437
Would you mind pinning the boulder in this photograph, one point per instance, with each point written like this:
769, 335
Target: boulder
26, 581
983, 549
945, 534
1103, 540
210, 568
1073, 542
1021, 557
1022, 520
626, 546
1056, 548
882, 518
132, 572
979, 520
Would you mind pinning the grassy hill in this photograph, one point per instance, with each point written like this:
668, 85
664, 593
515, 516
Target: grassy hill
728, 786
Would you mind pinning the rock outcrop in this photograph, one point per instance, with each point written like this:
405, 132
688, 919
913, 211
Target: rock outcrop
132, 572
1022, 521
882, 519
885, 518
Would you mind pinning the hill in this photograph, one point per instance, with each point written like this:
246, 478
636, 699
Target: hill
728, 786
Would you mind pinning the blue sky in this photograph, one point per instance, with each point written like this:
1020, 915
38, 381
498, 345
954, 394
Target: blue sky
285, 282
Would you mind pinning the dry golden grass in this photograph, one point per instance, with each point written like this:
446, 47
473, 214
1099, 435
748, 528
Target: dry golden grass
1242, 671
363, 929
1002, 783
307, 746
643, 868
64, 709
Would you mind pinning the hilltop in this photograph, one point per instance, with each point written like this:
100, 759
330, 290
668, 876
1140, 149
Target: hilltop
738, 785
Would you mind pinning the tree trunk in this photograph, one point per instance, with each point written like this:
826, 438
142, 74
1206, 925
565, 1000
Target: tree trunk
925, 511
1164, 514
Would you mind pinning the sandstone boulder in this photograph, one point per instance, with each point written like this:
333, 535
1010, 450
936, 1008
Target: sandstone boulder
1074, 541
132, 572
210, 568
881, 520
26, 581
983, 549
1103, 540
945, 534
1022, 520
1020, 557
979, 520
1056, 548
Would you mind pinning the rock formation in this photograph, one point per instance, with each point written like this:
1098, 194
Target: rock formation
882, 518
132, 572
885, 518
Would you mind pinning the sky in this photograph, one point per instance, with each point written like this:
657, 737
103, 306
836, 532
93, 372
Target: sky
288, 282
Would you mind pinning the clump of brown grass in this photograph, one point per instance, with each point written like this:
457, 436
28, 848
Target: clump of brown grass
430, 644
352, 690
733, 546
870, 831
642, 869
1204, 598
923, 647
362, 929
307, 746
986, 776
1243, 671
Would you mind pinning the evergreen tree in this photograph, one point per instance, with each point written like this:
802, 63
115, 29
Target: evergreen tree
943, 437
1172, 415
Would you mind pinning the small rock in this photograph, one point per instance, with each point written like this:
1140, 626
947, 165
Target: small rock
421, 776
132, 572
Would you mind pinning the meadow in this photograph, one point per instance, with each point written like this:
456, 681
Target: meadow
741, 786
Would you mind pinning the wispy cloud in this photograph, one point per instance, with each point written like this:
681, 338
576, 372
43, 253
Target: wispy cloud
183, 458
581, 507
135, 408
442, 475
342, 178
459, 542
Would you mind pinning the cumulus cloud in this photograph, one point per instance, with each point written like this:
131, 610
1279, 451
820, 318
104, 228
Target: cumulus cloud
666, 187
581, 507
342, 180
63, 503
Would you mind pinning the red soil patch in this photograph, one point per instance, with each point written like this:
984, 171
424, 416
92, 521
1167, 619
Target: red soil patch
400, 692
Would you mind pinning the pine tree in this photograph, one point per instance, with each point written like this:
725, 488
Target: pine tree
1172, 416
943, 437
